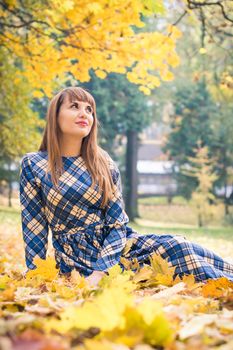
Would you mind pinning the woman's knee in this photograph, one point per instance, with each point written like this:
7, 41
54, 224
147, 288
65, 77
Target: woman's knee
177, 240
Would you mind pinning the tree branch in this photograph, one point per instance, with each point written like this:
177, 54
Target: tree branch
195, 5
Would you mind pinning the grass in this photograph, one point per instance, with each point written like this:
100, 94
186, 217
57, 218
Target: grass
161, 200
179, 212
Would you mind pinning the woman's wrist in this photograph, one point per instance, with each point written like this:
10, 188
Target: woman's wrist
100, 273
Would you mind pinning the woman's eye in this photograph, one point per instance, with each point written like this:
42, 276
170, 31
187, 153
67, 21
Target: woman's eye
75, 105
89, 109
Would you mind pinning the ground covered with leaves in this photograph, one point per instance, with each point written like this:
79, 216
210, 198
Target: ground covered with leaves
139, 310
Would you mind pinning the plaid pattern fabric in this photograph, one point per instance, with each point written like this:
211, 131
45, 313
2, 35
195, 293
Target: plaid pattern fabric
188, 257
88, 238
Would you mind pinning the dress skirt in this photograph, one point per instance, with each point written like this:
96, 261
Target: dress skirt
188, 257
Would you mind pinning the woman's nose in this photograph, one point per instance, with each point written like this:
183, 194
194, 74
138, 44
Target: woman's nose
83, 112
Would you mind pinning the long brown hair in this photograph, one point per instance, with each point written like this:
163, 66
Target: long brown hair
96, 159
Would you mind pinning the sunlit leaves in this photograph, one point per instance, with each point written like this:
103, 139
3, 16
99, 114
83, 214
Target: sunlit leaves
51, 311
158, 272
45, 268
97, 35
221, 287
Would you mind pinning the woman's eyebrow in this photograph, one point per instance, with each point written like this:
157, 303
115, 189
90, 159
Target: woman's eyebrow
77, 101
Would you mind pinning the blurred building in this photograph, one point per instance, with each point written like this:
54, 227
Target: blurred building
155, 171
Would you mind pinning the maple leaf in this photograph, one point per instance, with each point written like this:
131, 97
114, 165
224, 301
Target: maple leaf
218, 288
158, 272
44, 268
160, 265
4, 281
144, 273
107, 308
143, 323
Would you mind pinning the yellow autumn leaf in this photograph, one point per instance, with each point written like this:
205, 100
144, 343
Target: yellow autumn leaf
176, 33
38, 94
125, 262
166, 75
44, 268
147, 320
77, 280
202, 50
145, 90
64, 291
149, 309
144, 273
4, 281
217, 288
160, 265
100, 74
164, 279
107, 308
8, 294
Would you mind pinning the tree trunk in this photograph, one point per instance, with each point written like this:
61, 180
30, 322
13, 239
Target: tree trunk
200, 222
10, 185
226, 200
10, 194
131, 200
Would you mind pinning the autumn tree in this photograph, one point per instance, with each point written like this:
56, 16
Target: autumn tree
20, 126
54, 38
51, 42
201, 167
211, 64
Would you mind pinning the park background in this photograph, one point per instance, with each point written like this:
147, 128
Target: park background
161, 75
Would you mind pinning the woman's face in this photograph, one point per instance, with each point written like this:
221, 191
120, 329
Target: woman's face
75, 118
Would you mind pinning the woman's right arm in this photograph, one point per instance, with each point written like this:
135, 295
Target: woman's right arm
34, 223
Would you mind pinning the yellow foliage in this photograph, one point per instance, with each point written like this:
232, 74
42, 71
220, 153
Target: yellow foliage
4, 281
143, 323
44, 268
202, 169
8, 294
202, 50
108, 308
218, 288
38, 94
145, 89
162, 270
100, 74
102, 38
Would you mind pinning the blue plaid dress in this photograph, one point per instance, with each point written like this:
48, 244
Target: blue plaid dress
88, 238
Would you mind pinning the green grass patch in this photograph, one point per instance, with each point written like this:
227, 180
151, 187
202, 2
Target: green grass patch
162, 200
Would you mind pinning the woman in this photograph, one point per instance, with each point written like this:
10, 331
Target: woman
74, 187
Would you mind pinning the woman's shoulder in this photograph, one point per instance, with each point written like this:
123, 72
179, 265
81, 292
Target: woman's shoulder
32, 159
111, 163
35, 155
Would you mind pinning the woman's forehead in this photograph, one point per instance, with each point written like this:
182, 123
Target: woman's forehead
69, 99
73, 98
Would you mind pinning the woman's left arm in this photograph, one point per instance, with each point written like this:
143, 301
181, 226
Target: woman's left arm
115, 222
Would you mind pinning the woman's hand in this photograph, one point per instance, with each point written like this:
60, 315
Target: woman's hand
95, 277
24, 273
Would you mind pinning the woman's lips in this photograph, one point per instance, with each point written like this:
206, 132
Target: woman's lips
82, 123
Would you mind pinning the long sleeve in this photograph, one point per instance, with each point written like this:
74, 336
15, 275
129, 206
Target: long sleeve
34, 223
115, 223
